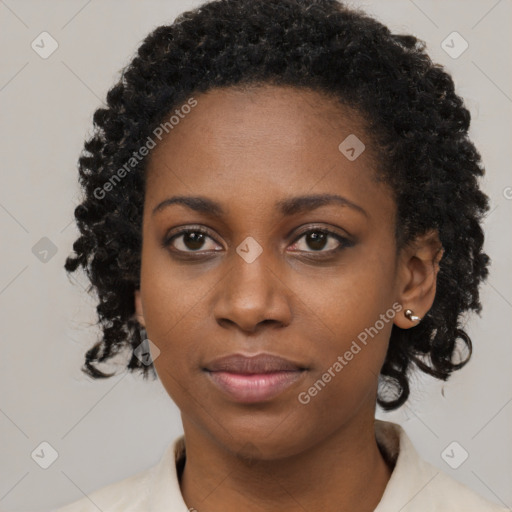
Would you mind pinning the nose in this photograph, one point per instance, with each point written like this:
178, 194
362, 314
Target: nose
252, 295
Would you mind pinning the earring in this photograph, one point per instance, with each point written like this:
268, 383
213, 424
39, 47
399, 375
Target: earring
411, 316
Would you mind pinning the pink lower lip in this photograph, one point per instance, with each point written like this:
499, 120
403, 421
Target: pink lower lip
254, 387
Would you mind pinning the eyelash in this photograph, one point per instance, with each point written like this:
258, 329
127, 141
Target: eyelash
344, 242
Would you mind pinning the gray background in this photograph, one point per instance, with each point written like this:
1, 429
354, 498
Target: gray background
107, 430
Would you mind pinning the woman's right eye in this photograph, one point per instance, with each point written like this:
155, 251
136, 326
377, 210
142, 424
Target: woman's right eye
189, 240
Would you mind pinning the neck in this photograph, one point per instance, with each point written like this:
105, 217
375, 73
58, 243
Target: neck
346, 471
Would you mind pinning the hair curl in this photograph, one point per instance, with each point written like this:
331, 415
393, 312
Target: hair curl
419, 125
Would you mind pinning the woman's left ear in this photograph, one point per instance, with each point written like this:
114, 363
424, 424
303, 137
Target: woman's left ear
138, 309
417, 278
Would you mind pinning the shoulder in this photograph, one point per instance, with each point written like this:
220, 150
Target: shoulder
415, 485
450, 495
156, 488
126, 495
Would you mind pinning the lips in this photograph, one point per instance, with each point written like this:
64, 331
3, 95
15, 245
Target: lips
261, 363
255, 378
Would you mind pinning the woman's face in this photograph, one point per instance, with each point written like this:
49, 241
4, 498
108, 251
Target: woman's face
266, 277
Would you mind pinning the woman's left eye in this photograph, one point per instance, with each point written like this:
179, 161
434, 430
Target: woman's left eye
318, 239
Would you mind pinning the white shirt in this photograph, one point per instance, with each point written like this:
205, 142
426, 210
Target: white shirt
414, 486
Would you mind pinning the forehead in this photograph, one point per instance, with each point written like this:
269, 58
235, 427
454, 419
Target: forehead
243, 119
268, 142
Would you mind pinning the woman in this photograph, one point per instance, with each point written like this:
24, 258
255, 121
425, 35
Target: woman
281, 220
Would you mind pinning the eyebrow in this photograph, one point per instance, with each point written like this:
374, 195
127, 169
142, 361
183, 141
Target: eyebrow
286, 207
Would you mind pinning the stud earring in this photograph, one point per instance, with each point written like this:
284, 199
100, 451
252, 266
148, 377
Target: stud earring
408, 313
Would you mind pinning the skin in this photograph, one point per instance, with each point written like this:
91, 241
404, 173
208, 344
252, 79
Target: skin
247, 150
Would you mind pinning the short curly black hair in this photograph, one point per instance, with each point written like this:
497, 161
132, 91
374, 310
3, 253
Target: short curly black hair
417, 122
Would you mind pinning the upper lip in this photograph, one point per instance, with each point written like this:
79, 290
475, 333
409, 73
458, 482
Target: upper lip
260, 363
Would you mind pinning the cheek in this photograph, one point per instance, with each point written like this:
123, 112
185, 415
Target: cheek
353, 296
170, 294
354, 305
172, 306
